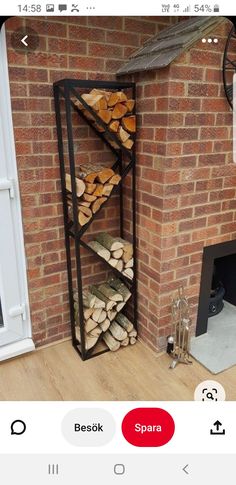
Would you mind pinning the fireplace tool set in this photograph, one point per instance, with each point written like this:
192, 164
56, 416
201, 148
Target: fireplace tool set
178, 343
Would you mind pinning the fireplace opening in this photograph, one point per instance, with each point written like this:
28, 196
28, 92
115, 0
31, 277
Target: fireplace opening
216, 302
218, 282
215, 342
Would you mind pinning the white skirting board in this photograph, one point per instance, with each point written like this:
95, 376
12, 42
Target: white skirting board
16, 348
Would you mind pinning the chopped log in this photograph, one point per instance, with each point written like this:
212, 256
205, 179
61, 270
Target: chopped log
119, 111
95, 101
80, 185
107, 189
76, 306
132, 340
129, 124
127, 248
133, 333
105, 115
100, 250
105, 325
87, 313
123, 135
96, 314
120, 305
90, 177
90, 171
130, 263
104, 175
111, 314
107, 94
120, 287
84, 203
102, 317
85, 210
96, 332
124, 322
84, 214
83, 219
125, 342
109, 242
89, 325
114, 125
89, 188
97, 204
109, 304
110, 293
89, 197
99, 190
88, 168
90, 340
111, 343
113, 262
117, 331
115, 179
120, 265
117, 254
88, 299
117, 97
86, 113
128, 144
129, 273
130, 103
99, 303
128, 252
99, 128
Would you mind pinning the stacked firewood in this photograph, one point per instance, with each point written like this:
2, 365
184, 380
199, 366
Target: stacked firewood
115, 110
116, 251
101, 307
94, 184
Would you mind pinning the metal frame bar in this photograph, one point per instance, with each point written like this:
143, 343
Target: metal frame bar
63, 90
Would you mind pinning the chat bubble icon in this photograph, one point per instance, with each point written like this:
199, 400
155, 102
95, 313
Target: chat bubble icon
18, 427
62, 7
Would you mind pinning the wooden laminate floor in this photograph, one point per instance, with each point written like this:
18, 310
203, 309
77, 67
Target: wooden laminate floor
135, 373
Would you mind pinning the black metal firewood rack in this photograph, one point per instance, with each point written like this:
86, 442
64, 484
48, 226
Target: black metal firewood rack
65, 92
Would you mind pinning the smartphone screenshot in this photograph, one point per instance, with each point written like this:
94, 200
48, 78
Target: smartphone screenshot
118, 243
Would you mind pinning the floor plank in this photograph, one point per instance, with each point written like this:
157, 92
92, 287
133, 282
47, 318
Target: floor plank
134, 373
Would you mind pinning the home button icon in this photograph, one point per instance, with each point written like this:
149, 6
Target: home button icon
119, 469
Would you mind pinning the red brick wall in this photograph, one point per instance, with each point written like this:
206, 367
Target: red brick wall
83, 48
186, 179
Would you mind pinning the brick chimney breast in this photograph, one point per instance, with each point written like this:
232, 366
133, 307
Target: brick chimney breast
186, 175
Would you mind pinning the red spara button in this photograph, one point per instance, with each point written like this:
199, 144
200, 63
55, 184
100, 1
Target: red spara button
148, 427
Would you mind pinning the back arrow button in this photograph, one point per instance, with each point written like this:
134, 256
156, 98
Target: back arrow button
24, 39
185, 469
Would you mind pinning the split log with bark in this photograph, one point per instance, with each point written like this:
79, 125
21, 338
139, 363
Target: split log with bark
101, 305
93, 186
116, 251
115, 111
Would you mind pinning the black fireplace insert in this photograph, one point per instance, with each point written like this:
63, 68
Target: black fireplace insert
218, 282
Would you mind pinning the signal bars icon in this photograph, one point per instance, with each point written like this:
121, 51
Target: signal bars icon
187, 9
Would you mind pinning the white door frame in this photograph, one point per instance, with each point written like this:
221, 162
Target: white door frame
8, 157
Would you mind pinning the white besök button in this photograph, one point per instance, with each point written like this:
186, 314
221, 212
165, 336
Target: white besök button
88, 427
